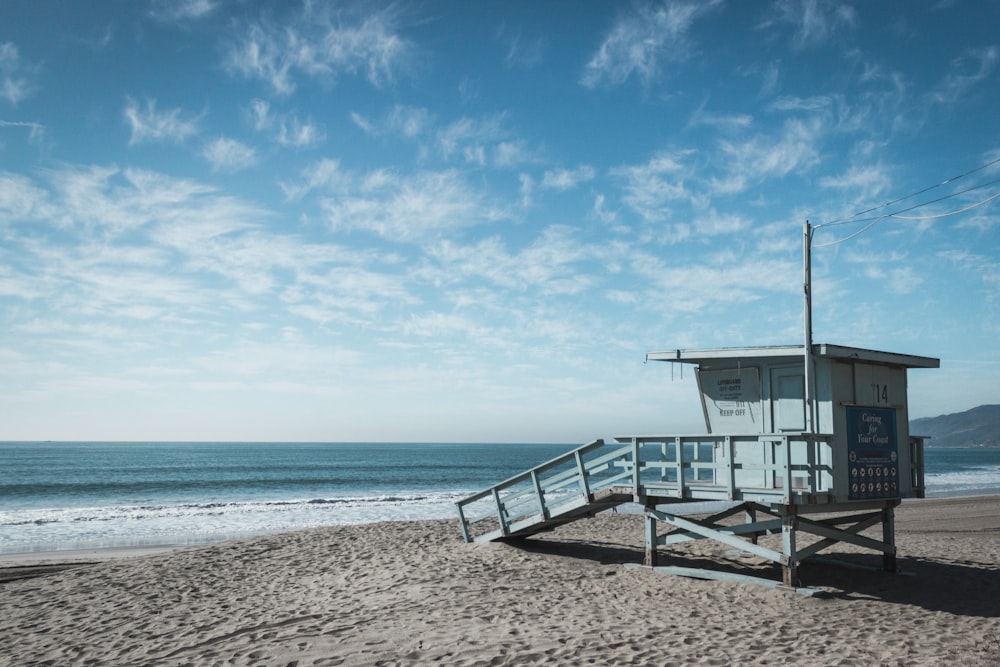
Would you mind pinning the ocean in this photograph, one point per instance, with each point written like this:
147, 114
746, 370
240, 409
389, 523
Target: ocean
86, 495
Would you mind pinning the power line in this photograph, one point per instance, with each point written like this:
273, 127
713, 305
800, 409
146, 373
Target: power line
897, 214
945, 215
850, 219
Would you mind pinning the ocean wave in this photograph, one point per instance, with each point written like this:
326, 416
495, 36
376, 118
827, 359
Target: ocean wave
219, 508
979, 479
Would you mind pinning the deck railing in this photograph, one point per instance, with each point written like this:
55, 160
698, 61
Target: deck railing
771, 468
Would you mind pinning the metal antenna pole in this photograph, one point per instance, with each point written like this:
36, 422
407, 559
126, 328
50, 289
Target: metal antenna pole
807, 290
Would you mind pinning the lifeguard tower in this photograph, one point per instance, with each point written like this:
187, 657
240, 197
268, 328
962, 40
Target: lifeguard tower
792, 432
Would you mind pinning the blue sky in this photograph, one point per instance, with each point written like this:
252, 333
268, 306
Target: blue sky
441, 221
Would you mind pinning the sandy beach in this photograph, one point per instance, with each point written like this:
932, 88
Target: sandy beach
403, 593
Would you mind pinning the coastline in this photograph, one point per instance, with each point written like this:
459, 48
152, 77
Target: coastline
53, 557
411, 592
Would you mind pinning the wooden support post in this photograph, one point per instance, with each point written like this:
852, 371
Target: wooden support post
889, 537
650, 522
750, 514
789, 561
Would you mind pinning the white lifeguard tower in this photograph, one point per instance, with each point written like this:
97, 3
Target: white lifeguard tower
789, 435
792, 431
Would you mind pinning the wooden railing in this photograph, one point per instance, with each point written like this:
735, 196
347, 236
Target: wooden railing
770, 468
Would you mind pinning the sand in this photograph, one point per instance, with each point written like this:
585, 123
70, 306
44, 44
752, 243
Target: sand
407, 593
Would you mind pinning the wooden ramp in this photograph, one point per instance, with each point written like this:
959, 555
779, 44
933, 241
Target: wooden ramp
601, 475
579, 484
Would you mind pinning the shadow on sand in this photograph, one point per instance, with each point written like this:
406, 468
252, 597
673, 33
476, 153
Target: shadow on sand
962, 588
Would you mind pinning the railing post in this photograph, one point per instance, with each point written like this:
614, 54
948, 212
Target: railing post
731, 463
917, 466
787, 446
679, 455
539, 494
501, 515
463, 523
790, 556
635, 466
582, 470
651, 539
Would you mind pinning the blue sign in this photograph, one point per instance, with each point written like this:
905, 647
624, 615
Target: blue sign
872, 452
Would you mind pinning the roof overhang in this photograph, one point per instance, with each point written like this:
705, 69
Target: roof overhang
748, 355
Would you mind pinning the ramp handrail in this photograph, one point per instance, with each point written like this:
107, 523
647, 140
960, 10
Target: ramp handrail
765, 467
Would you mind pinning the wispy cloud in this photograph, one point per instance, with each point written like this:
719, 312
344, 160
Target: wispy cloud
406, 209
471, 139
761, 157
228, 154
406, 121
640, 43
521, 51
320, 44
975, 66
567, 179
701, 117
553, 263
36, 131
650, 188
813, 22
148, 124
154, 248
182, 10
325, 174
864, 181
285, 128
16, 76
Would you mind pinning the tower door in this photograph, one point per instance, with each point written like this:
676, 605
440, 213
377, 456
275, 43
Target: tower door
788, 394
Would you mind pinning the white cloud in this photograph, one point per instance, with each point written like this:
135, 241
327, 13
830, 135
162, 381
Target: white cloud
36, 131
813, 22
260, 114
650, 187
601, 211
721, 121
527, 189
227, 154
522, 52
762, 157
15, 74
469, 138
406, 121
182, 10
315, 44
21, 199
295, 133
152, 248
974, 66
567, 179
147, 124
407, 209
638, 44
556, 263
285, 128
867, 181
321, 175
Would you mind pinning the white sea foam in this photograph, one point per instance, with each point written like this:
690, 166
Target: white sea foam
192, 523
984, 479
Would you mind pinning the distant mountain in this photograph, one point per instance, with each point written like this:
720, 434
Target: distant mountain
978, 426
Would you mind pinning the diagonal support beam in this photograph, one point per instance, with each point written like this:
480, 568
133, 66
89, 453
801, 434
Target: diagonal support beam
752, 529
849, 535
713, 533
